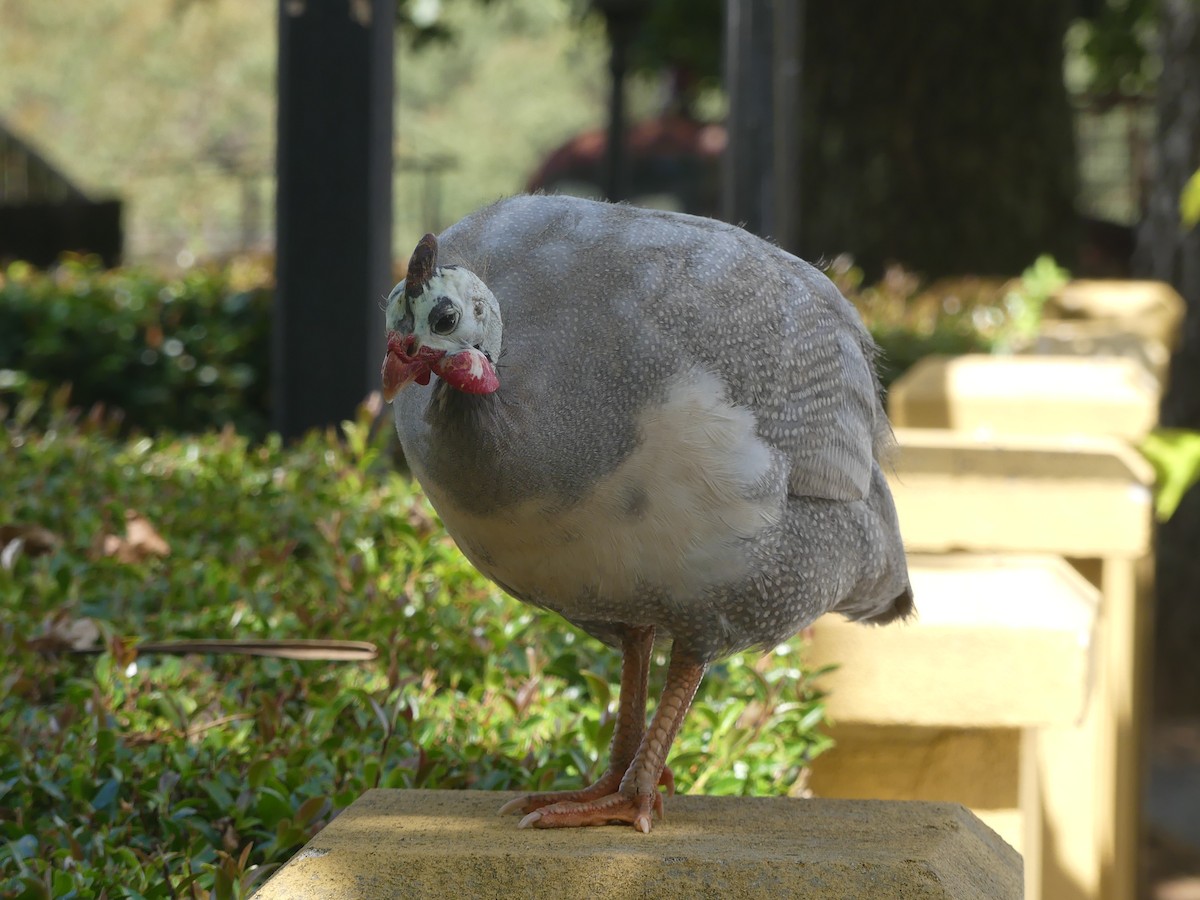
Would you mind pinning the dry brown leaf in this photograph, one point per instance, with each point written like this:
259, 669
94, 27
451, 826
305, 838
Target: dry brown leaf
141, 541
32, 540
61, 632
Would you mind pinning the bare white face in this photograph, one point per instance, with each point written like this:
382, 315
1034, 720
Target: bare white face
456, 311
452, 328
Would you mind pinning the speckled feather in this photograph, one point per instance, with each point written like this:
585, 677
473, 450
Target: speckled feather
687, 433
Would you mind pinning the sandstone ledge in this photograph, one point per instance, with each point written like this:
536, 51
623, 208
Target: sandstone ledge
392, 843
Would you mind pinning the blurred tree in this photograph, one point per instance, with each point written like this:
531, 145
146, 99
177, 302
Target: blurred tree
939, 137
424, 21
936, 136
1169, 250
683, 37
1120, 47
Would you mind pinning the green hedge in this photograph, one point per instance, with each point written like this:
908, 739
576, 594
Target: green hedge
192, 352
910, 319
185, 353
166, 777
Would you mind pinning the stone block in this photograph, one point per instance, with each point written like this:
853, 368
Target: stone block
1092, 339
977, 767
1031, 395
1086, 497
1148, 309
953, 664
1081, 496
436, 844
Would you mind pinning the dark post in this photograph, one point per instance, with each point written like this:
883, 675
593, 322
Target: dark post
748, 170
787, 69
333, 207
621, 18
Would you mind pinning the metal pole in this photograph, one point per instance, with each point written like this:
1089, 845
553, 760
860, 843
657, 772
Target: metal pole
786, 97
333, 207
748, 171
621, 18
614, 169
731, 192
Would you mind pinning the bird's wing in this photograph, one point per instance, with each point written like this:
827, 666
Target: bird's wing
793, 350
776, 332
825, 411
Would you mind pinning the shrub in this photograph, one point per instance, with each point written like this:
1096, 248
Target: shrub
184, 353
192, 352
159, 776
909, 319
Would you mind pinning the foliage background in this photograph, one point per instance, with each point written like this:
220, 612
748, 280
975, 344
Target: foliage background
186, 133
188, 352
165, 777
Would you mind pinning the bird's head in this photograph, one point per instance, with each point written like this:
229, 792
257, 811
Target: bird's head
441, 320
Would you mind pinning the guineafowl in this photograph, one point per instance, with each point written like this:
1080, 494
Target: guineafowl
660, 427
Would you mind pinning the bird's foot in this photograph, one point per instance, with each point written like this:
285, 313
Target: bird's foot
606, 786
611, 809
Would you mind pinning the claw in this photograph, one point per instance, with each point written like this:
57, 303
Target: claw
667, 780
612, 809
607, 784
512, 806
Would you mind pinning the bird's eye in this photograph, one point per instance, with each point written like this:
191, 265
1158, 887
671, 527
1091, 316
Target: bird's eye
443, 318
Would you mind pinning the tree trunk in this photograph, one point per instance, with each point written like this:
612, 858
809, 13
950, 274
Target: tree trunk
1167, 253
939, 137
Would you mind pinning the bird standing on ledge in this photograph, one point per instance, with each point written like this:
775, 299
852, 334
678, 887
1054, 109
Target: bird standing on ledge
656, 425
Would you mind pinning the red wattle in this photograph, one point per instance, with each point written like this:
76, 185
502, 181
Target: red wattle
470, 371
394, 375
401, 366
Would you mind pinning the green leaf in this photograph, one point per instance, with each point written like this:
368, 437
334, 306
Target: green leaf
107, 794
25, 847
257, 774
64, 884
272, 807
599, 687
1189, 202
812, 718
219, 794
1175, 455
310, 810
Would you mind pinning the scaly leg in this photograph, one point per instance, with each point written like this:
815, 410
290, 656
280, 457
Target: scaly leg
637, 797
636, 646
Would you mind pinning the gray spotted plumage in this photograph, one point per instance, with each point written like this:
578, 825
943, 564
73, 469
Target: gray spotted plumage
687, 432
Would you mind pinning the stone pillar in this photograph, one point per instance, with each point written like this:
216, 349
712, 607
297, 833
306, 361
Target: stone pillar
436, 844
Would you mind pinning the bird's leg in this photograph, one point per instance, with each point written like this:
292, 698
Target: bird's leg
637, 644
637, 797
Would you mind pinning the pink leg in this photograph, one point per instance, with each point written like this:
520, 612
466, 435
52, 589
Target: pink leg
636, 647
637, 798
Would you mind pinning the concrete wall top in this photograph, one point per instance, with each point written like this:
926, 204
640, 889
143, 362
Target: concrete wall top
952, 665
1054, 395
1151, 309
418, 844
1083, 496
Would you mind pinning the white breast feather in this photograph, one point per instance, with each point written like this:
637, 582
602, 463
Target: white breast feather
697, 460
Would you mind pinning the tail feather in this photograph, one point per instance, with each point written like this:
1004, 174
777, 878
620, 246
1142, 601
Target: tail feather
901, 608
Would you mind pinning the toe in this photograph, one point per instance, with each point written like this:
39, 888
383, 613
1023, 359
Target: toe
667, 780
517, 804
531, 820
614, 809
